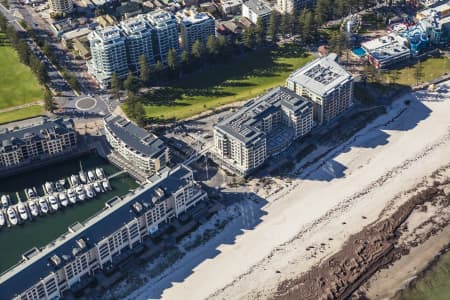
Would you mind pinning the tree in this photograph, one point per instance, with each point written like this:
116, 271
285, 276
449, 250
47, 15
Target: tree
284, 25
185, 60
144, 68
172, 61
48, 100
159, 69
394, 76
418, 72
139, 114
212, 46
131, 83
248, 38
322, 11
260, 32
224, 47
272, 30
309, 30
115, 86
197, 50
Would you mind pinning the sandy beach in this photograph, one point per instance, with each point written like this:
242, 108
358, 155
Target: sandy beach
320, 207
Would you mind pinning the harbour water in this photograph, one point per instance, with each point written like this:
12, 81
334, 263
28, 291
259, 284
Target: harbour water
16, 240
433, 285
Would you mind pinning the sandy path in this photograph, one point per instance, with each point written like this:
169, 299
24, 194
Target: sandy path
352, 185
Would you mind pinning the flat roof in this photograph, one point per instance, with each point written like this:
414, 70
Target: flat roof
189, 17
386, 47
107, 34
136, 138
76, 33
135, 25
259, 7
20, 278
242, 124
321, 76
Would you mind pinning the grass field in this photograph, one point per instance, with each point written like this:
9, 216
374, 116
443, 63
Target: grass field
21, 113
18, 85
241, 78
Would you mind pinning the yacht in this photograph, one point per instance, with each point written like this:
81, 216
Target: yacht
12, 217
43, 205
72, 196
33, 208
5, 201
99, 173
2, 219
97, 187
53, 202
63, 199
89, 191
91, 176
49, 187
22, 211
106, 185
82, 177
31, 193
81, 193
74, 180
59, 186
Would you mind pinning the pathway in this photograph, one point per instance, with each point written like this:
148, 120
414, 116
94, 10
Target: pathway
39, 102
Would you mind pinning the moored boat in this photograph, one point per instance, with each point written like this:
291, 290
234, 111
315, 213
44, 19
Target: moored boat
5, 201
2, 219
12, 217
105, 184
74, 180
81, 193
22, 211
99, 173
43, 205
97, 187
33, 208
83, 177
91, 176
53, 202
72, 196
63, 199
89, 191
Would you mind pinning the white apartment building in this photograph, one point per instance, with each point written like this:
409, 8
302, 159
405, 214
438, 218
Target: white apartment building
261, 128
195, 26
139, 147
255, 9
48, 139
103, 241
109, 54
138, 32
61, 6
288, 6
165, 33
387, 50
327, 84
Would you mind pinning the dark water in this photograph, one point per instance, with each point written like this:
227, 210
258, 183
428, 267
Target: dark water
16, 240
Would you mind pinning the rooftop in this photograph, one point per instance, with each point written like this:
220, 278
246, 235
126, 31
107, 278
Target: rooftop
189, 17
107, 34
243, 124
322, 75
259, 7
115, 214
160, 18
137, 24
386, 47
136, 138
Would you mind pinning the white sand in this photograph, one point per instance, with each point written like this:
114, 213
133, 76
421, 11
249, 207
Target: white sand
358, 179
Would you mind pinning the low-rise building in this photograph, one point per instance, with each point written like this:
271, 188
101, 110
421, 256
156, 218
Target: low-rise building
101, 242
256, 9
231, 7
327, 84
49, 139
141, 148
195, 26
387, 51
261, 128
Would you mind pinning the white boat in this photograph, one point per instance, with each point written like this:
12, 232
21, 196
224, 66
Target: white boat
43, 205
2, 219
97, 187
33, 208
81, 193
72, 196
63, 199
91, 176
31, 193
22, 211
59, 186
105, 184
83, 177
89, 191
53, 202
74, 180
49, 187
5, 201
12, 217
99, 173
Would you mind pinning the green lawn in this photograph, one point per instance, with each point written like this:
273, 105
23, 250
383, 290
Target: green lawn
21, 113
18, 85
239, 79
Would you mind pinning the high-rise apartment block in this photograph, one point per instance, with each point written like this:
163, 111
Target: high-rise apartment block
195, 26
289, 6
165, 33
261, 128
138, 32
109, 54
327, 84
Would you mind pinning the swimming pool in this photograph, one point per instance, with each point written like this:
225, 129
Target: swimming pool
359, 52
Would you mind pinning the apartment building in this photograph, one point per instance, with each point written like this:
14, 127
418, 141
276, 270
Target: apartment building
387, 51
255, 9
195, 26
61, 6
141, 148
165, 33
103, 241
261, 128
138, 32
289, 6
50, 138
109, 54
327, 84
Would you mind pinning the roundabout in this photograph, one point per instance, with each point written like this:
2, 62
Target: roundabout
86, 103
